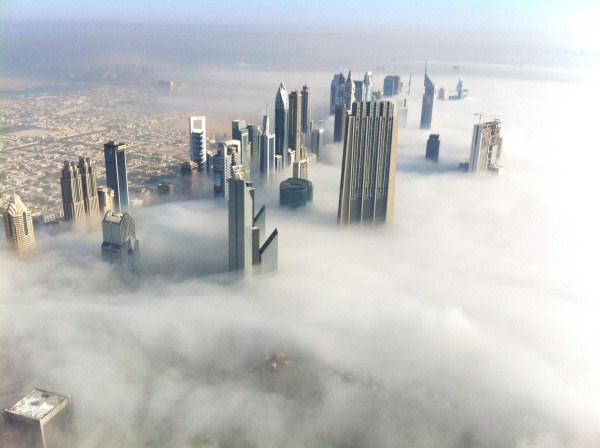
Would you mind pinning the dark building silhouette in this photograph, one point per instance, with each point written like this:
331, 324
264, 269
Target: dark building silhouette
432, 152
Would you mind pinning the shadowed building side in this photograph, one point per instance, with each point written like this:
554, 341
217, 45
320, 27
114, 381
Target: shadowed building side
18, 227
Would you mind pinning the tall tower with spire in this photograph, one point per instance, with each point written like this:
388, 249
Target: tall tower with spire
72, 194
282, 107
427, 106
349, 92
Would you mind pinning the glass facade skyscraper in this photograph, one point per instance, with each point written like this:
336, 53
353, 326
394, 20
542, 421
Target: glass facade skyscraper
116, 174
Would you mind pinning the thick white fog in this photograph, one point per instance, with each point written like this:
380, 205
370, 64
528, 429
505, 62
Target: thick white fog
470, 321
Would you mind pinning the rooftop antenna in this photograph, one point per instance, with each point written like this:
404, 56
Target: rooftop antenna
486, 115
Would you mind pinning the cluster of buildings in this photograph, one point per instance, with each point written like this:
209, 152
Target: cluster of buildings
367, 125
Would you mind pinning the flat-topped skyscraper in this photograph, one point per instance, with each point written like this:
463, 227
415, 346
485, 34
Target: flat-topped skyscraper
295, 123
486, 146
120, 244
428, 100
368, 164
18, 227
42, 419
198, 142
116, 174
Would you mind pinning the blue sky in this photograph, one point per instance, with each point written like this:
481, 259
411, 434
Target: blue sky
574, 21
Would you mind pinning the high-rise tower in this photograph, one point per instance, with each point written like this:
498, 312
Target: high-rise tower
486, 146
337, 92
432, 150
198, 142
306, 112
72, 194
368, 86
295, 124
246, 231
116, 174
368, 164
89, 186
349, 92
239, 131
428, 99
18, 227
282, 107
120, 244
228, 156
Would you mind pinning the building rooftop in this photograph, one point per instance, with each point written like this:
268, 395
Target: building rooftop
37, 404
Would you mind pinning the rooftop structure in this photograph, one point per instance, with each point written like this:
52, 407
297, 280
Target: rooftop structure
41, 419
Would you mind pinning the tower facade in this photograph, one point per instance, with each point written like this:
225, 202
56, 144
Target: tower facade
432, 151
228, 156
349, 92
306, 112
120, 244
246, 231
239, 131
427, 106
338, 85
282, 107
295, 123
198, 142
72, 193
106, 198
42, 419
391, 85
116, 174
316, 141
486, 146
368, 86
368, 164
18, 227
89, 186
254, 135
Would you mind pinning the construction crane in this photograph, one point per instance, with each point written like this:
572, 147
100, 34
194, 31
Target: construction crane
486, 115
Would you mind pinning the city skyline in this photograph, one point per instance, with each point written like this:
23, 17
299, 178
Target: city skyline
482, 306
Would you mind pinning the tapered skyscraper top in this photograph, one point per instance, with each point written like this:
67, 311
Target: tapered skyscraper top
18, 227
428, 99
368, 164
282, 105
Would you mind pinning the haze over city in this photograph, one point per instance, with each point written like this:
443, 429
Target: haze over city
469, 319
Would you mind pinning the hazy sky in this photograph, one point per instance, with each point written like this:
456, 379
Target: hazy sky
573, 21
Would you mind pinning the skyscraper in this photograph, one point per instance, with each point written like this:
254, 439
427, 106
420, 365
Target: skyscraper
306, 113
295, 192
116, 173
267, 151
228, 156
18, 227
254, 136
198, 142
316, 142
282, 106
432, 151
106, 197
42, 419
89, 186
428, 99
402, 114
339, 122
486, 146
300, 169
368, 164
239, 131
359, 93
368, 86
295, 123
338, 85
349, 92
247, 230
72, 194
120, 244
391, 85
